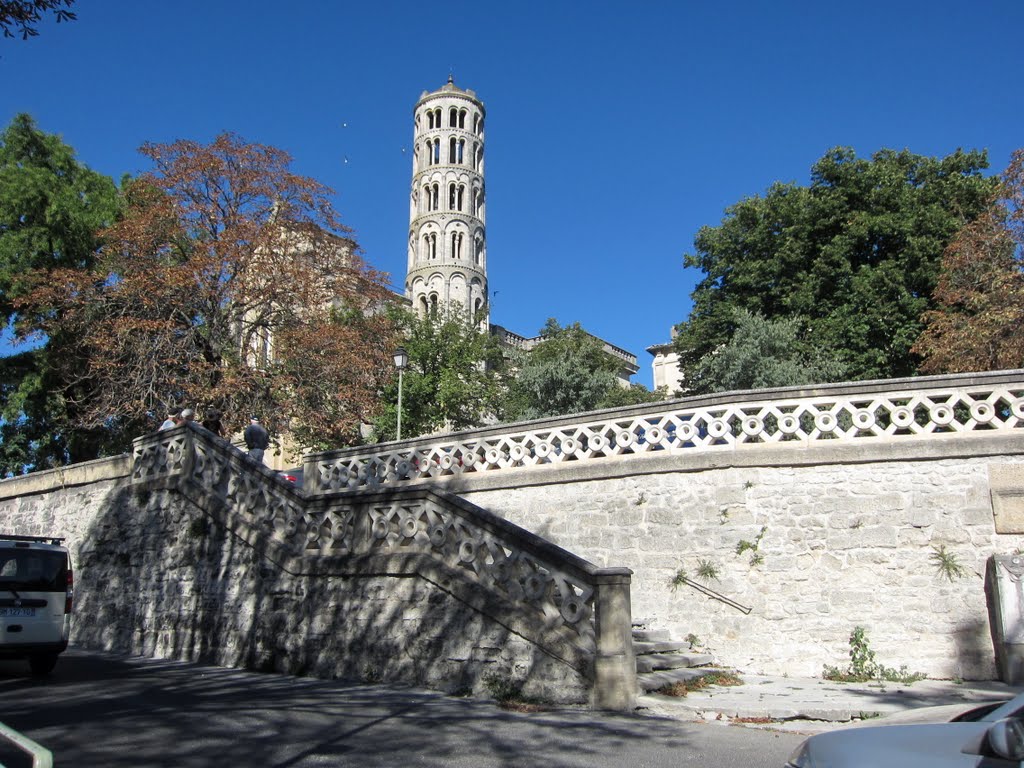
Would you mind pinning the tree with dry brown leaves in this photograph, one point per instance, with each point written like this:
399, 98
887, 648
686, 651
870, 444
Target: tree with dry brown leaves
980, 293
230, 283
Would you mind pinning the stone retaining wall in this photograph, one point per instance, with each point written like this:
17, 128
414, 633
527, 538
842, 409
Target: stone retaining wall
830, 546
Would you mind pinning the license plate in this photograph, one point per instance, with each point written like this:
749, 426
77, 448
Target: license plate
17, 612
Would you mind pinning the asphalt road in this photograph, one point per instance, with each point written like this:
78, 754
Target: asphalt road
114, 711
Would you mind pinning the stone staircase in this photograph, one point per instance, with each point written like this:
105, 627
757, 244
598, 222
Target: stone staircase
661, 661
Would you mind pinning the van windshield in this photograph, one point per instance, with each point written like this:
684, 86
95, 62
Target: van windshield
33, 570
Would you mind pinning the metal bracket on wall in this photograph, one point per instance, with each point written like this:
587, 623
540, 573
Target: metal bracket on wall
718, 596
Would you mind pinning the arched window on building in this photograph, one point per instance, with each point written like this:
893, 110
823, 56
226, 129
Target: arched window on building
435, 192
478, 250
461, 150
453, 151
437, 151
433, 305
462, 194
478, 161
430, 120
453, 118
477, 124
462, 118
430, 245
423, 306
437, 117
452, 196
456, 245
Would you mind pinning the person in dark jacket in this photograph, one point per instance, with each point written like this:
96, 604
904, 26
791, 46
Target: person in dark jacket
257, 439
211, 422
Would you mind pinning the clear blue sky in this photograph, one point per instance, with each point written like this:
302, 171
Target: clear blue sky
614, 130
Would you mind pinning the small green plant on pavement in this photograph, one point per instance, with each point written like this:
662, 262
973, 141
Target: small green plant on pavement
509, 695
863, 668
683, 687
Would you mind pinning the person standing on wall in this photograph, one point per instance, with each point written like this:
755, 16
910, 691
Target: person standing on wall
257, 439
211, 422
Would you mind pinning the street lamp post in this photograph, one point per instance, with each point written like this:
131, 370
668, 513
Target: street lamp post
401, 361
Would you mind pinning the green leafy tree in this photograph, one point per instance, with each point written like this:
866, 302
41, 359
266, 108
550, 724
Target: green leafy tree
454, 379
23, 15
763, 354
51, 208
980, 295
854, 257
568, 372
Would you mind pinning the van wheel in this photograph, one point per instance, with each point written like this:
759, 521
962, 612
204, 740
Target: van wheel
42, 663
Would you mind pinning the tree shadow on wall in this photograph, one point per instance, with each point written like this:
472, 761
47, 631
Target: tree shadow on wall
160, 577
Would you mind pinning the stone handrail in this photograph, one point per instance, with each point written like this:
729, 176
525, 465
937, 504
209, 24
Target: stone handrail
583, 607
934, 408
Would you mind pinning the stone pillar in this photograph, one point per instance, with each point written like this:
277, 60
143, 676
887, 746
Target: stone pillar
1005, 595
615, 665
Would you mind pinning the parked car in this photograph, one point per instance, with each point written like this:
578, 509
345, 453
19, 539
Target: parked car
36, 595
978, 736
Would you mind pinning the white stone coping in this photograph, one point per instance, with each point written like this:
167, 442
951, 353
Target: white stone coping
112, 468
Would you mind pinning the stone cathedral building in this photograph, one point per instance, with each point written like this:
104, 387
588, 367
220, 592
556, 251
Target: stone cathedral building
447, 259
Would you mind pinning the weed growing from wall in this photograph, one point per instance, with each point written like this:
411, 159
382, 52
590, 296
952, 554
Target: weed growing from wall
756, 557
707, 570
947, 564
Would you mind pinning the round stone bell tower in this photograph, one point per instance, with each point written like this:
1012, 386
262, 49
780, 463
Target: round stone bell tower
447, 208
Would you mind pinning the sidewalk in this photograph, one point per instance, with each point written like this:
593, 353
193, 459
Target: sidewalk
811, 705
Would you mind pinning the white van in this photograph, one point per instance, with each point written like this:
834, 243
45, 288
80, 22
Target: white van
36, 592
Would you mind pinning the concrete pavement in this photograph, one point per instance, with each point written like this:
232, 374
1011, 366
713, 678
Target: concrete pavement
812, 705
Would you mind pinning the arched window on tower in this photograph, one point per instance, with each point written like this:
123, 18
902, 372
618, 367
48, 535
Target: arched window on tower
452, 196
430, 120
478, 161
461, 194
456, 245
453, 118
430, 241
478, 124
423, 306
437, 151
462, 151
435, 192
437, 117
433, 305
478, 248
476, 202
462, 118
452, 150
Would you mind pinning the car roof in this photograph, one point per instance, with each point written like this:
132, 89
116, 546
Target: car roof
11, 541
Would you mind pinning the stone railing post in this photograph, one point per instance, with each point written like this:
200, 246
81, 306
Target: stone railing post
615, 664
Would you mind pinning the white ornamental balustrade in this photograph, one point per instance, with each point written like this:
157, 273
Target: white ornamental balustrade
931, 408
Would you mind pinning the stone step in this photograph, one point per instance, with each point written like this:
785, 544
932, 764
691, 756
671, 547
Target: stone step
652, 681
657, 661
651, 635
662, 646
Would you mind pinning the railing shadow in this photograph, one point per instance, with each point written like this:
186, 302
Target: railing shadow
236, 566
